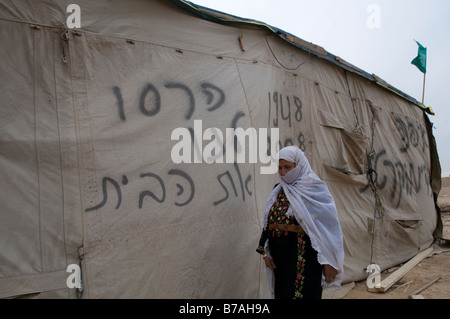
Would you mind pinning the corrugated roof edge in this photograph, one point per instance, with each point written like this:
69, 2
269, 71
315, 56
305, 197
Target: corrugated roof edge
318, 51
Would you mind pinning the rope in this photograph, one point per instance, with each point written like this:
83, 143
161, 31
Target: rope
358, 127
372, 177
79, 291
289, 69
65, 38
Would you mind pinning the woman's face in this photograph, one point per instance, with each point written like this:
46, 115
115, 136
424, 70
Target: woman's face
284, 166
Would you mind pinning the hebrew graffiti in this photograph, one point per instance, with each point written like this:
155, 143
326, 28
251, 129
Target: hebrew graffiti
150, 100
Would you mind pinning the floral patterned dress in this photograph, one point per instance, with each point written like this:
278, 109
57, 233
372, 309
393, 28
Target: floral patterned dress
298, 274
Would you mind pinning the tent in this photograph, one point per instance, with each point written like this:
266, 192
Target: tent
90, 186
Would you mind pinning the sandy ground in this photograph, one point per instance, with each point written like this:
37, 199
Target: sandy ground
437, 264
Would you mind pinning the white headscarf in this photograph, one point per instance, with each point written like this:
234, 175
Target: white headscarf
314, 209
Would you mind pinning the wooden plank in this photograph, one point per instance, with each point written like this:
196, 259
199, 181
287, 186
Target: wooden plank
416, 297
387, 283
426, 286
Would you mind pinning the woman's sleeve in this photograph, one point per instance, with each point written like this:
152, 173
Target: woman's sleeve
262, 246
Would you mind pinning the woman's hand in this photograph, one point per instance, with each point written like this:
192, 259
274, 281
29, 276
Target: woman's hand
269, 262
329, 272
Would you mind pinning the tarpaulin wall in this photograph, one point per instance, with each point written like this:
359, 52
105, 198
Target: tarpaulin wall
86, 152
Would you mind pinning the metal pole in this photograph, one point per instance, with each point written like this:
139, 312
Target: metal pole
423, 90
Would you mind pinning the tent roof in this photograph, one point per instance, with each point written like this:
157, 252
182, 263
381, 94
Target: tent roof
318, 51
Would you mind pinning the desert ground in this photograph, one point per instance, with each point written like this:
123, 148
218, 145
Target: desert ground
425, 272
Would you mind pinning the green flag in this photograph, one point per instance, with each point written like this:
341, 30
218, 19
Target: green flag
421, 60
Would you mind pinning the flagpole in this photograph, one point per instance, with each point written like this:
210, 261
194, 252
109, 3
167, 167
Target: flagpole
421, 63
423, 90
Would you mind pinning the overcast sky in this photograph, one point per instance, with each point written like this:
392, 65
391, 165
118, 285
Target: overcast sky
376, 36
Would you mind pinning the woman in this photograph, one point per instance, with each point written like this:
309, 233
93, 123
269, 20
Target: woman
301, 242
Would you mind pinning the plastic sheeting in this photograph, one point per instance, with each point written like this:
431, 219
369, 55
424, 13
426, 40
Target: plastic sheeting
87, 170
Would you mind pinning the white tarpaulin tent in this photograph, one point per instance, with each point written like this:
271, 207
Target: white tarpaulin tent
87, 116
